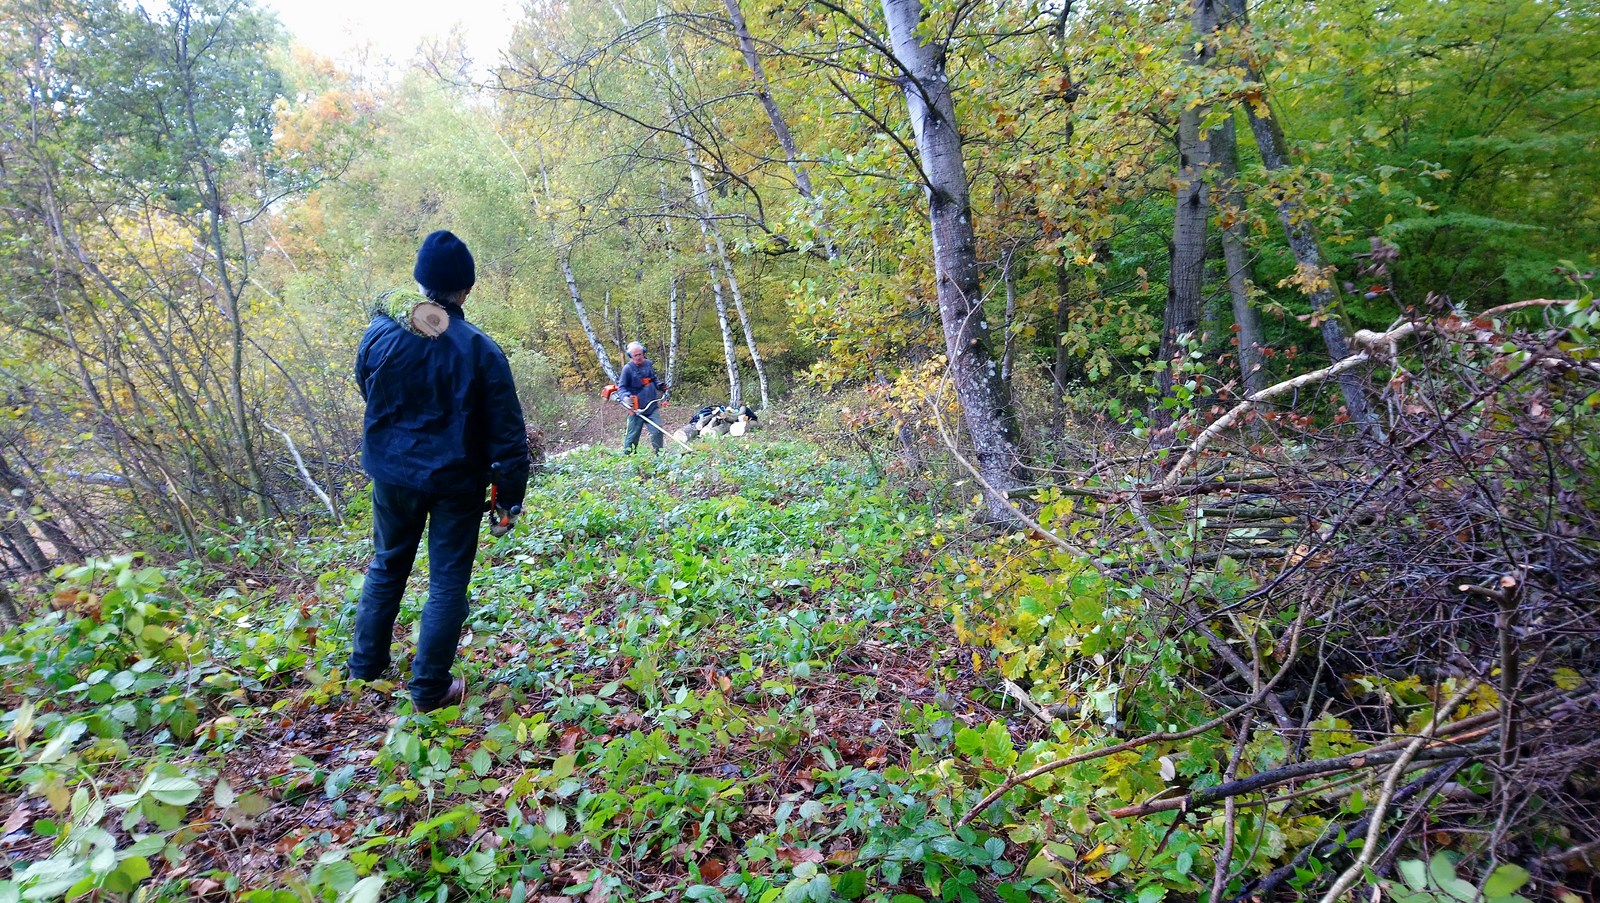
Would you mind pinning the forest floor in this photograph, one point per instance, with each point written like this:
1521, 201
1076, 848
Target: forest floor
712, 674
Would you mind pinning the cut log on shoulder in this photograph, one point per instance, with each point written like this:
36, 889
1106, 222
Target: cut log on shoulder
416, 313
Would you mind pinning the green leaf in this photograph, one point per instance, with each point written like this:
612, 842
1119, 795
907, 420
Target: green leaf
969, 741
564, 766
338, 874
174, 791
135, 868
555, 820
1415, 873
852, 885
1505, 880
477, 868
367, 890
795, 891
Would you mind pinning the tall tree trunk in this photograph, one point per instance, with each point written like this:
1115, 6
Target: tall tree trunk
780, 126
583, 319
1186, 275
1008, 329
672, 331
729, 358
744, 320
1058, 373
1302, 238
1230, 209
985, 404
674, 286
715, 252
712, 240
232, 296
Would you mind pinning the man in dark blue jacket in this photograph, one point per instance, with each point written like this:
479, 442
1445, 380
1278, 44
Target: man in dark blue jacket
442, 422
643, 392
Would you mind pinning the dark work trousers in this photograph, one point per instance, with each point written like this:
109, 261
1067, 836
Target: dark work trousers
635, 423
398, 515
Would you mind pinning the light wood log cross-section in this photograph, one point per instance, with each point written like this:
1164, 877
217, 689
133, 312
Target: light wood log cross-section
416, 313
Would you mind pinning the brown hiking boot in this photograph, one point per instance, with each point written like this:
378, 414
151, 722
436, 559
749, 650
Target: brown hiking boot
452, 696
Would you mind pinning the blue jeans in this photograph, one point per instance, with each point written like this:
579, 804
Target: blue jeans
635, 424
398, 516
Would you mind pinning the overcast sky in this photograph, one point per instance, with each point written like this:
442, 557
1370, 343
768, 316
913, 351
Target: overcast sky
394, 28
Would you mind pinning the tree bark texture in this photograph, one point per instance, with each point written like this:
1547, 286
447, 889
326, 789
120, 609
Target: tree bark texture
672, 331
1063, 360
715, 250
583, 319
1302, 238
985, 404
1186, 275
1230, 210
730, 358
708, 224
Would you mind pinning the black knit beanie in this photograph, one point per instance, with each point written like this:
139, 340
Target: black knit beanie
444, 264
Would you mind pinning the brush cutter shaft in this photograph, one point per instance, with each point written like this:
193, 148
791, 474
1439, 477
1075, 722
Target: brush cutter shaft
617, 397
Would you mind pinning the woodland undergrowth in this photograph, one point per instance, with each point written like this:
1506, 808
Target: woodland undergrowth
1278, 662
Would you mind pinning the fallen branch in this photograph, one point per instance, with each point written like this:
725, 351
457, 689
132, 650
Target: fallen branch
1372, 345
1286, 774
1162, 736
1336, 837
305, 474
1380, 807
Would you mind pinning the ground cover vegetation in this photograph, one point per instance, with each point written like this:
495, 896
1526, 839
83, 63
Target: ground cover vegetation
1180, 476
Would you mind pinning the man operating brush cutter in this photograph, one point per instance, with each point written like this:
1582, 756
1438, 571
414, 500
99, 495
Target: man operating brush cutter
642, 394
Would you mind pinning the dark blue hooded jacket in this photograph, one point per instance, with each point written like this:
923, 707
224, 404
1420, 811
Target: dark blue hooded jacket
441, 411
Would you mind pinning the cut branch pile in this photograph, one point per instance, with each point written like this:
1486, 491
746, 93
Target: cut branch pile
719, 420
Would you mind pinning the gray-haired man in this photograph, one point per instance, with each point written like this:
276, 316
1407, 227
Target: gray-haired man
643, 392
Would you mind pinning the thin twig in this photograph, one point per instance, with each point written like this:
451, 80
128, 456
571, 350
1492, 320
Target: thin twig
1380, 806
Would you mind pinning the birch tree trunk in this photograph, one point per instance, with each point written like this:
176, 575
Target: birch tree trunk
702, 199
1302, 238
1230, 209
583, 319
673, 337
712, 240
780, 126
672, 332
1186, 275
985, 405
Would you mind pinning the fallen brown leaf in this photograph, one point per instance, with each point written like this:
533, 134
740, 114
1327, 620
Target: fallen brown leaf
797, 855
